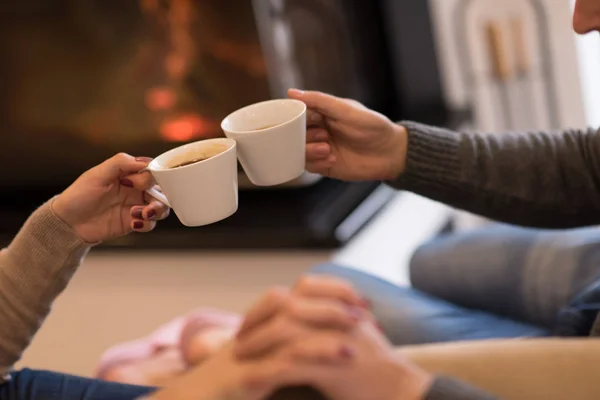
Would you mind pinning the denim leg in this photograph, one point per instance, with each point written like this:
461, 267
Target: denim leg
523, 274
29, 384
409, 316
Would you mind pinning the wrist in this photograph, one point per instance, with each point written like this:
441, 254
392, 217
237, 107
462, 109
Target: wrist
413, 382
59, 210
398, 148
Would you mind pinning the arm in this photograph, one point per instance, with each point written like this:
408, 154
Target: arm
537, 179
516, 369
34, 270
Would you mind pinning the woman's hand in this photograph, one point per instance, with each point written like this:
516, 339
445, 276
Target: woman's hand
347, 141
375, 372
283, 315
109, 201
226, 377
372, 371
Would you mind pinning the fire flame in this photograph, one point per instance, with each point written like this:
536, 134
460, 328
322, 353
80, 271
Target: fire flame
186, 128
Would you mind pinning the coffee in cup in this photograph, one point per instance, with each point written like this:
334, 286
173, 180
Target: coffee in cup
198, 181
197, 155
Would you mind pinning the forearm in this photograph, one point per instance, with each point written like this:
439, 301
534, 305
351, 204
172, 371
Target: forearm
536, 179
34, 270
517, 368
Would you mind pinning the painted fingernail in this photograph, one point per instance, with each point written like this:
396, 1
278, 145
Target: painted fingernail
138, 225
346, 352
137, 213
143, 159
366, 303
355, 313
126, 182
151, 214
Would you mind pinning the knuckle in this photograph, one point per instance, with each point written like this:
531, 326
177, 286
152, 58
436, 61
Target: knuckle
293, 307
282, 368
275, 295
121, 157
304, 283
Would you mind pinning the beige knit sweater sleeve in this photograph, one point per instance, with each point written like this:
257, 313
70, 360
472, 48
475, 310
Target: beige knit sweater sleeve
34, 269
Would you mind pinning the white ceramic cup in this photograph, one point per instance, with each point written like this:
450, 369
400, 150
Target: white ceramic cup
271, 140
203, 192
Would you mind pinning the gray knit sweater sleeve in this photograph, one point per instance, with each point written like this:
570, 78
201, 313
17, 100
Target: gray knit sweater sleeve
541, 179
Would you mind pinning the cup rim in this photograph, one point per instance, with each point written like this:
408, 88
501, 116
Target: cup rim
154, 164
255, 131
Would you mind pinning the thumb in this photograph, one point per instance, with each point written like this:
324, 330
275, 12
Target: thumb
326, 104
120, 166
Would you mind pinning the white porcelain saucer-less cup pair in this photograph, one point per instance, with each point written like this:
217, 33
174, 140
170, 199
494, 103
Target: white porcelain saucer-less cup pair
269, 138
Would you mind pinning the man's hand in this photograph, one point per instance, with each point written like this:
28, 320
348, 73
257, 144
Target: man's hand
347, 141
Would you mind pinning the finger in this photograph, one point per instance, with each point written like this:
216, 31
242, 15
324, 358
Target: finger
317, 151
327, 105
321, 167
300, 314
141, 181
142, 226
316, 135
322, 347
119, 166
314, 118
273, 373
329, 287
267, 307
325, 313
267, 336
155, 211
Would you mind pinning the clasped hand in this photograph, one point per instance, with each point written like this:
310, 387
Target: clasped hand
319, 334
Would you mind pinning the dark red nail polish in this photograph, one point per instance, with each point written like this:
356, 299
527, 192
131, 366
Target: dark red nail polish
136, 213
151, 214
138, 225
355, 313
143, 159
366, 303
346, 352
127, 183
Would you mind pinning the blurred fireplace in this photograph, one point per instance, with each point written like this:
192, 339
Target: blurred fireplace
84, 79
91, 78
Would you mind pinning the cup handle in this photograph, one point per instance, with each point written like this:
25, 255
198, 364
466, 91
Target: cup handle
159, 196
156, 193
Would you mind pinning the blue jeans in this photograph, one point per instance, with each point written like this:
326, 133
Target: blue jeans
498, 282
44, 385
